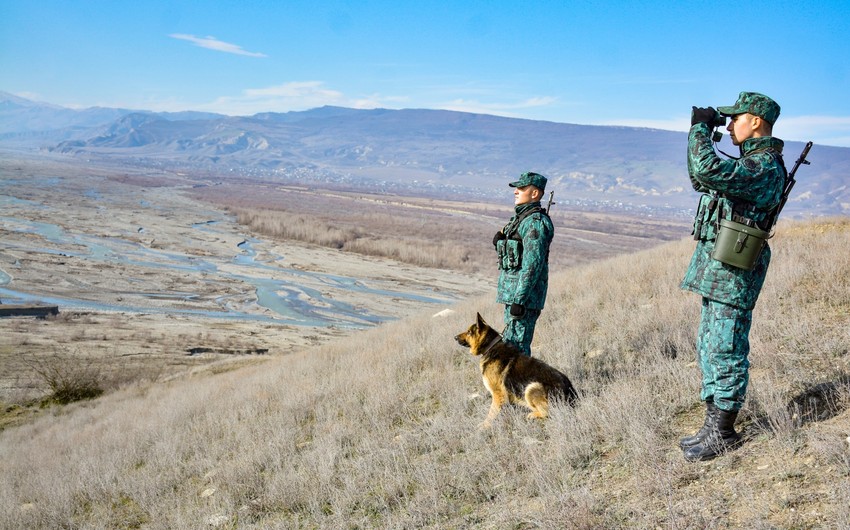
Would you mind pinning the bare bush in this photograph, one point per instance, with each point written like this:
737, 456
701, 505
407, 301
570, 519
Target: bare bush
67, 379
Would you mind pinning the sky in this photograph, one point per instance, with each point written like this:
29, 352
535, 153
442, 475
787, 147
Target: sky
631, 63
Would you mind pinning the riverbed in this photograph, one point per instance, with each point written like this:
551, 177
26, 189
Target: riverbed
87, 241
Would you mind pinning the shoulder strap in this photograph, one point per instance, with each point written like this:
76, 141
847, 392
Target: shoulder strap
514, 226
538, 209
739, 205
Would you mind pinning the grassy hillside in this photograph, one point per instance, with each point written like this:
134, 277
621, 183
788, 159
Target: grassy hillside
379, 430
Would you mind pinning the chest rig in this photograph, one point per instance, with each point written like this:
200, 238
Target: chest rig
509, 249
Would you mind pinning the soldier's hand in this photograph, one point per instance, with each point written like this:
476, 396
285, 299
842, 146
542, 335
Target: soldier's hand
498, 237
517, 310
703, 115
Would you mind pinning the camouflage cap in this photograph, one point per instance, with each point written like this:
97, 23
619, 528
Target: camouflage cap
755, 104
530, 179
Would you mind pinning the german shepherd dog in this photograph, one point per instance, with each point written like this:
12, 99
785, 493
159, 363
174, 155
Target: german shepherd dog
512, 377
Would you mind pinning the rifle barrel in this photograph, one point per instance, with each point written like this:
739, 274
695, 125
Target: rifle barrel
774, 216
802, 159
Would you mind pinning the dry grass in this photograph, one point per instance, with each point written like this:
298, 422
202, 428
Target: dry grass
417, 249
106, 351
426, 232
378, 430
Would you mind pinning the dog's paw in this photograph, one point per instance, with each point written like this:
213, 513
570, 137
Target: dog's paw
485, 425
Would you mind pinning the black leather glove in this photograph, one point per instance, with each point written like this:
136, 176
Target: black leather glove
703, 115
498, 237
517, 310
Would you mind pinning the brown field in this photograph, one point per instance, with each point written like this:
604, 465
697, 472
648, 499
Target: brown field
428, 232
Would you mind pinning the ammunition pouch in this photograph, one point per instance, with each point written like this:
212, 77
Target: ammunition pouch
509, 252
703, 221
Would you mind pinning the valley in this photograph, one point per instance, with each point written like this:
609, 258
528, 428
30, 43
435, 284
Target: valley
158, 274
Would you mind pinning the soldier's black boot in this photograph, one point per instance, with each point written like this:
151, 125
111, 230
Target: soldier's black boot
721, 438
689, 441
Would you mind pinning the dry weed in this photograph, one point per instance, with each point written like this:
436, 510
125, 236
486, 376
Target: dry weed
425, 232
378, 430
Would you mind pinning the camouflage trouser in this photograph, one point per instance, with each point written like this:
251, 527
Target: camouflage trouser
723, 345
520, 331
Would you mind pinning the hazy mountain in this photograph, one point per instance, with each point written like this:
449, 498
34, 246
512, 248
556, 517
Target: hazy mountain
23, 117
427, 151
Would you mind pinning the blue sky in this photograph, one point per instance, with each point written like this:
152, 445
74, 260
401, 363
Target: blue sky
631, 63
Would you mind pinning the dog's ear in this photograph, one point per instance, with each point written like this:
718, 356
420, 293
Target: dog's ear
480, 320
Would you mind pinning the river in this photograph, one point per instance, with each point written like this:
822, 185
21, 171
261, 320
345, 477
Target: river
280, 294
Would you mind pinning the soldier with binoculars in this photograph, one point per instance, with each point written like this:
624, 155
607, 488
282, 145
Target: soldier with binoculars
739, 195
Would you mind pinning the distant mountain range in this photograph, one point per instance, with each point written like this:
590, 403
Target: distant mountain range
433, 152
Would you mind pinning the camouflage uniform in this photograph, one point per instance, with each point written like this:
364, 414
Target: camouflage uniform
522, 247
749, 187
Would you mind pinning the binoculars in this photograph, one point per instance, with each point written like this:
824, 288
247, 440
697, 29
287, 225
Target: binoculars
717, 121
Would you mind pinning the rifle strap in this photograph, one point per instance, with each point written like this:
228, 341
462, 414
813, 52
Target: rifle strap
513, 226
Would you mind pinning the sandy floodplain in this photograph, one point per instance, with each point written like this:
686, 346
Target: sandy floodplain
150, 282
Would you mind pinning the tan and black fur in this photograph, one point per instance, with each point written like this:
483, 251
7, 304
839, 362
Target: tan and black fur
512, 377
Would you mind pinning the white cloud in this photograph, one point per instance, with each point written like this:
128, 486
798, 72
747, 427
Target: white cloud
375, 101
296, 95
672, 124
295, 90
211, 43
497, 109
32, 96
826, 130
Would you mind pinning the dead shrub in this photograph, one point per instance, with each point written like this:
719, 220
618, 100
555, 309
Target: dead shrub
68, 379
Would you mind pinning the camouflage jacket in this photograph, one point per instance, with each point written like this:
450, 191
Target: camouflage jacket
750, 187
524, 257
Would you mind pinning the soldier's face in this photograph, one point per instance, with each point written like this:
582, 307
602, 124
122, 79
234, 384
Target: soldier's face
741, 127
526, 194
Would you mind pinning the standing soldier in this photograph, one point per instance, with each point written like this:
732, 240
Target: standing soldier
522, 247
737, 194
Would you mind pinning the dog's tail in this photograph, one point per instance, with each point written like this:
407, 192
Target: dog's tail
570, 393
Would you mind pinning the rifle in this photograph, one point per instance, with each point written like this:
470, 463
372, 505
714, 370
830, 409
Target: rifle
789, 183
551, 195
